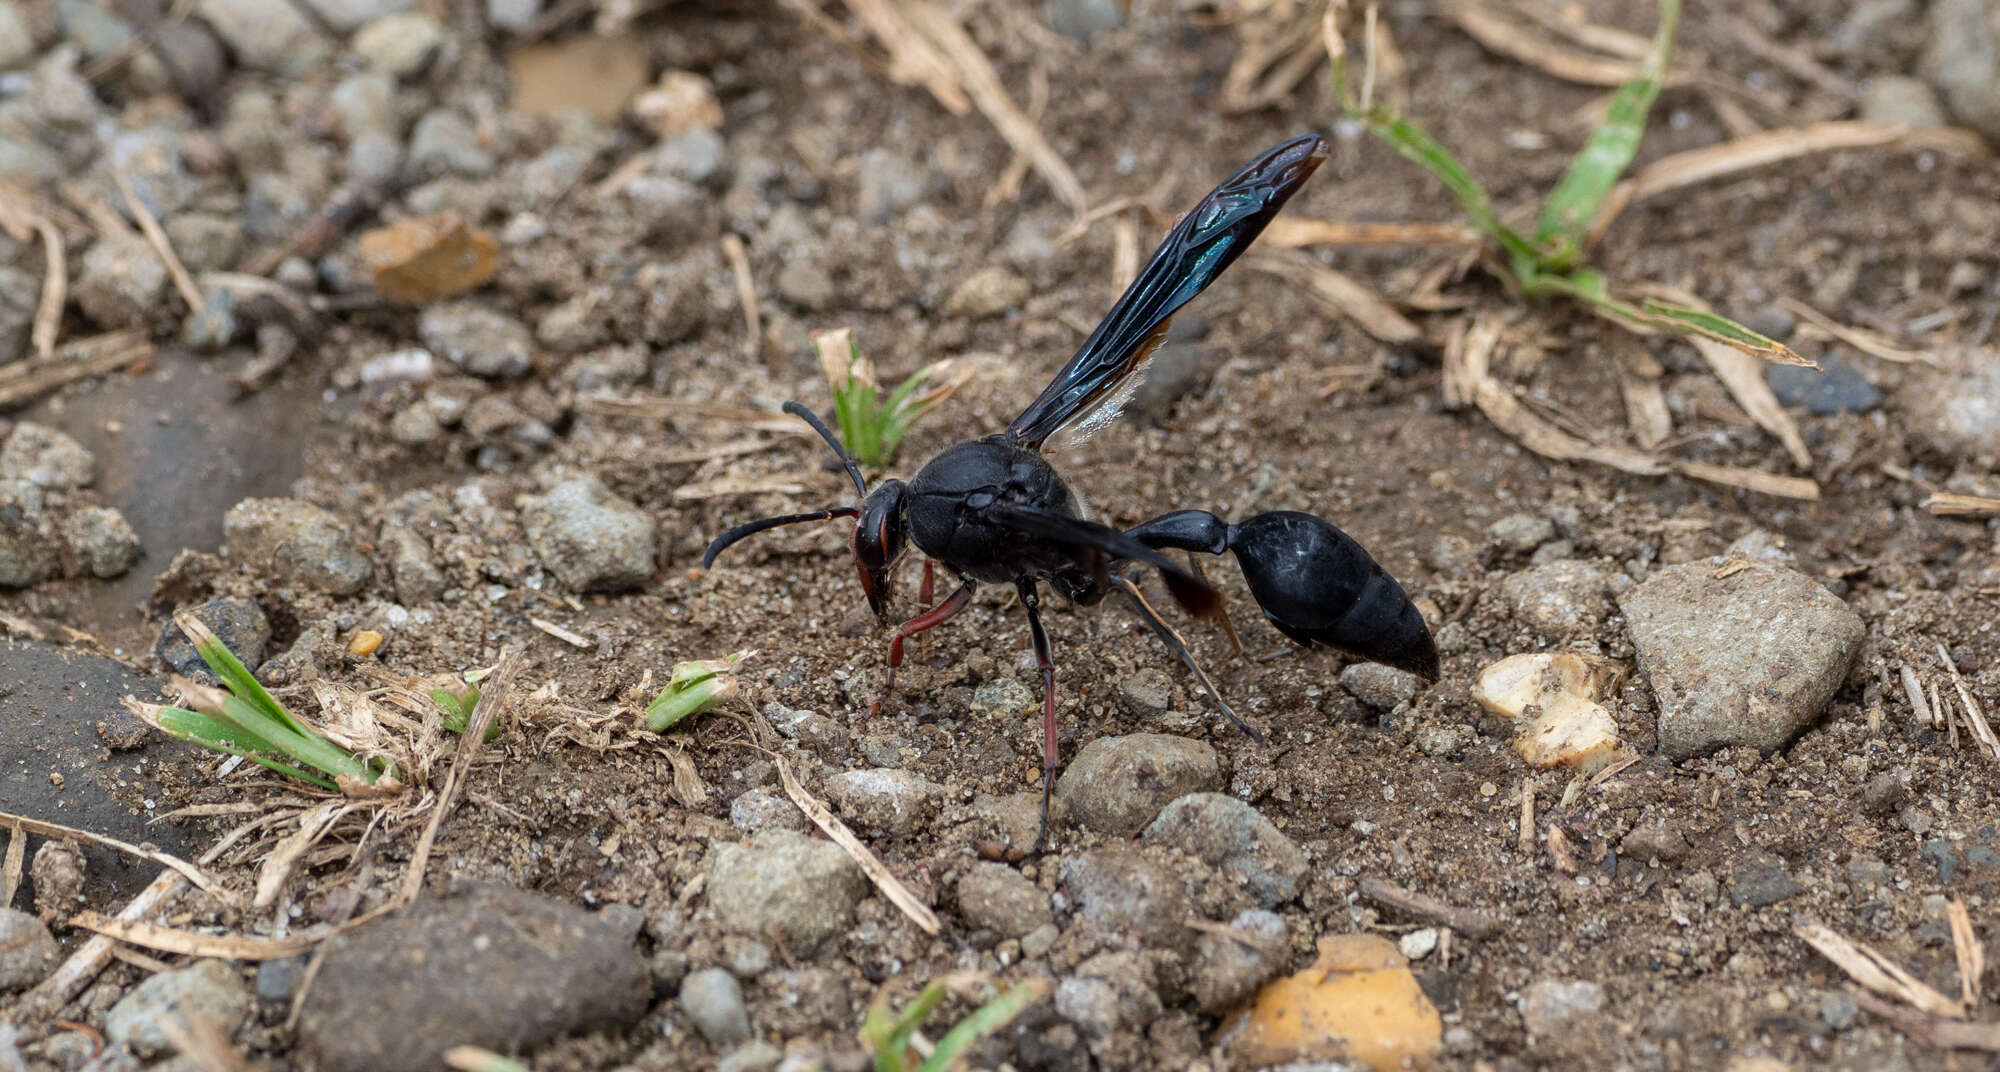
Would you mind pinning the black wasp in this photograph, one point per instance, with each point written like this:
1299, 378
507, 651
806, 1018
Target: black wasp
993, 510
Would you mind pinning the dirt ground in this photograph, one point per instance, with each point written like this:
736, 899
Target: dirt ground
575, 805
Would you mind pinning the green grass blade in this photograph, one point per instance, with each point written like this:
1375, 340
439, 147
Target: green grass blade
219, 735
238, 679
989, 1018
1416, 145
1723, 330
308, 748
1607, 153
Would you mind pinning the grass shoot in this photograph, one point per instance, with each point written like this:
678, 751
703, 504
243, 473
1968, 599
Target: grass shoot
871, 426
694, 687
889, 1034
1550, 261
244, 720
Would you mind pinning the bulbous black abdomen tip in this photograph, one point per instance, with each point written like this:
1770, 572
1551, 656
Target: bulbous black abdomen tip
1321, 588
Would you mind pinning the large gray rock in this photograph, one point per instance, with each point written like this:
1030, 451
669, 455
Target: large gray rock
1125, 898
1228, 967
998, 899
301, 543
804, 888
1965, 61
209, 989
1115, 785
266, 35
1236, 839
592, 540
884, 800
27, 950
45, 457
1747, 659
1561, 598
494, 967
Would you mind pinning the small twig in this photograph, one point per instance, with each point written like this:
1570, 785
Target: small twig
1876, 972
157, 238
1524, 838
573, 639
496, 692
1975, 718
10, 872
746, 293
877, 872
1971, 954
189, 871
1932, 1030
79, 359
21, 220
975, 72
1951, 504
1474, 922
1914, 689
193, 943
91, 957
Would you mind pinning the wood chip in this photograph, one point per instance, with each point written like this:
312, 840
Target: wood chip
11, 871
1771, 147
187, 870
746, 293
976, 74
1876, 972
575, 640
877, 872
1951, 504
1560, 853
1784, 487
1920, 709
1477, 923
191, 943
1970, 951
1339, 294
429, 258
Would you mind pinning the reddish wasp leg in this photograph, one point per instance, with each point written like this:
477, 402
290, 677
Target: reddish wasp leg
1032, 603
924, 593
929, 619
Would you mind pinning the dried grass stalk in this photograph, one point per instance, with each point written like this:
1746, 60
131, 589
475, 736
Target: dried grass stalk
885, 880
1732, 476
976, 73
193, 874
1340, 295
1952, 504
1293, 232
192, 943
1771, 147
913, 59
1877, 972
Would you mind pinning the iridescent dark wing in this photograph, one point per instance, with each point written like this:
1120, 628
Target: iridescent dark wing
1204, 242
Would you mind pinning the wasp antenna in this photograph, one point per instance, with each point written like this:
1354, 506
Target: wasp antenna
752, 528
846, 459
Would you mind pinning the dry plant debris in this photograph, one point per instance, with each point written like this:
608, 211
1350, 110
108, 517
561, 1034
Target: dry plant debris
429, 258
1555, 698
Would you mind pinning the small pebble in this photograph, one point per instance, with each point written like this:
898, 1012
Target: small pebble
1418, 944
713, 999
